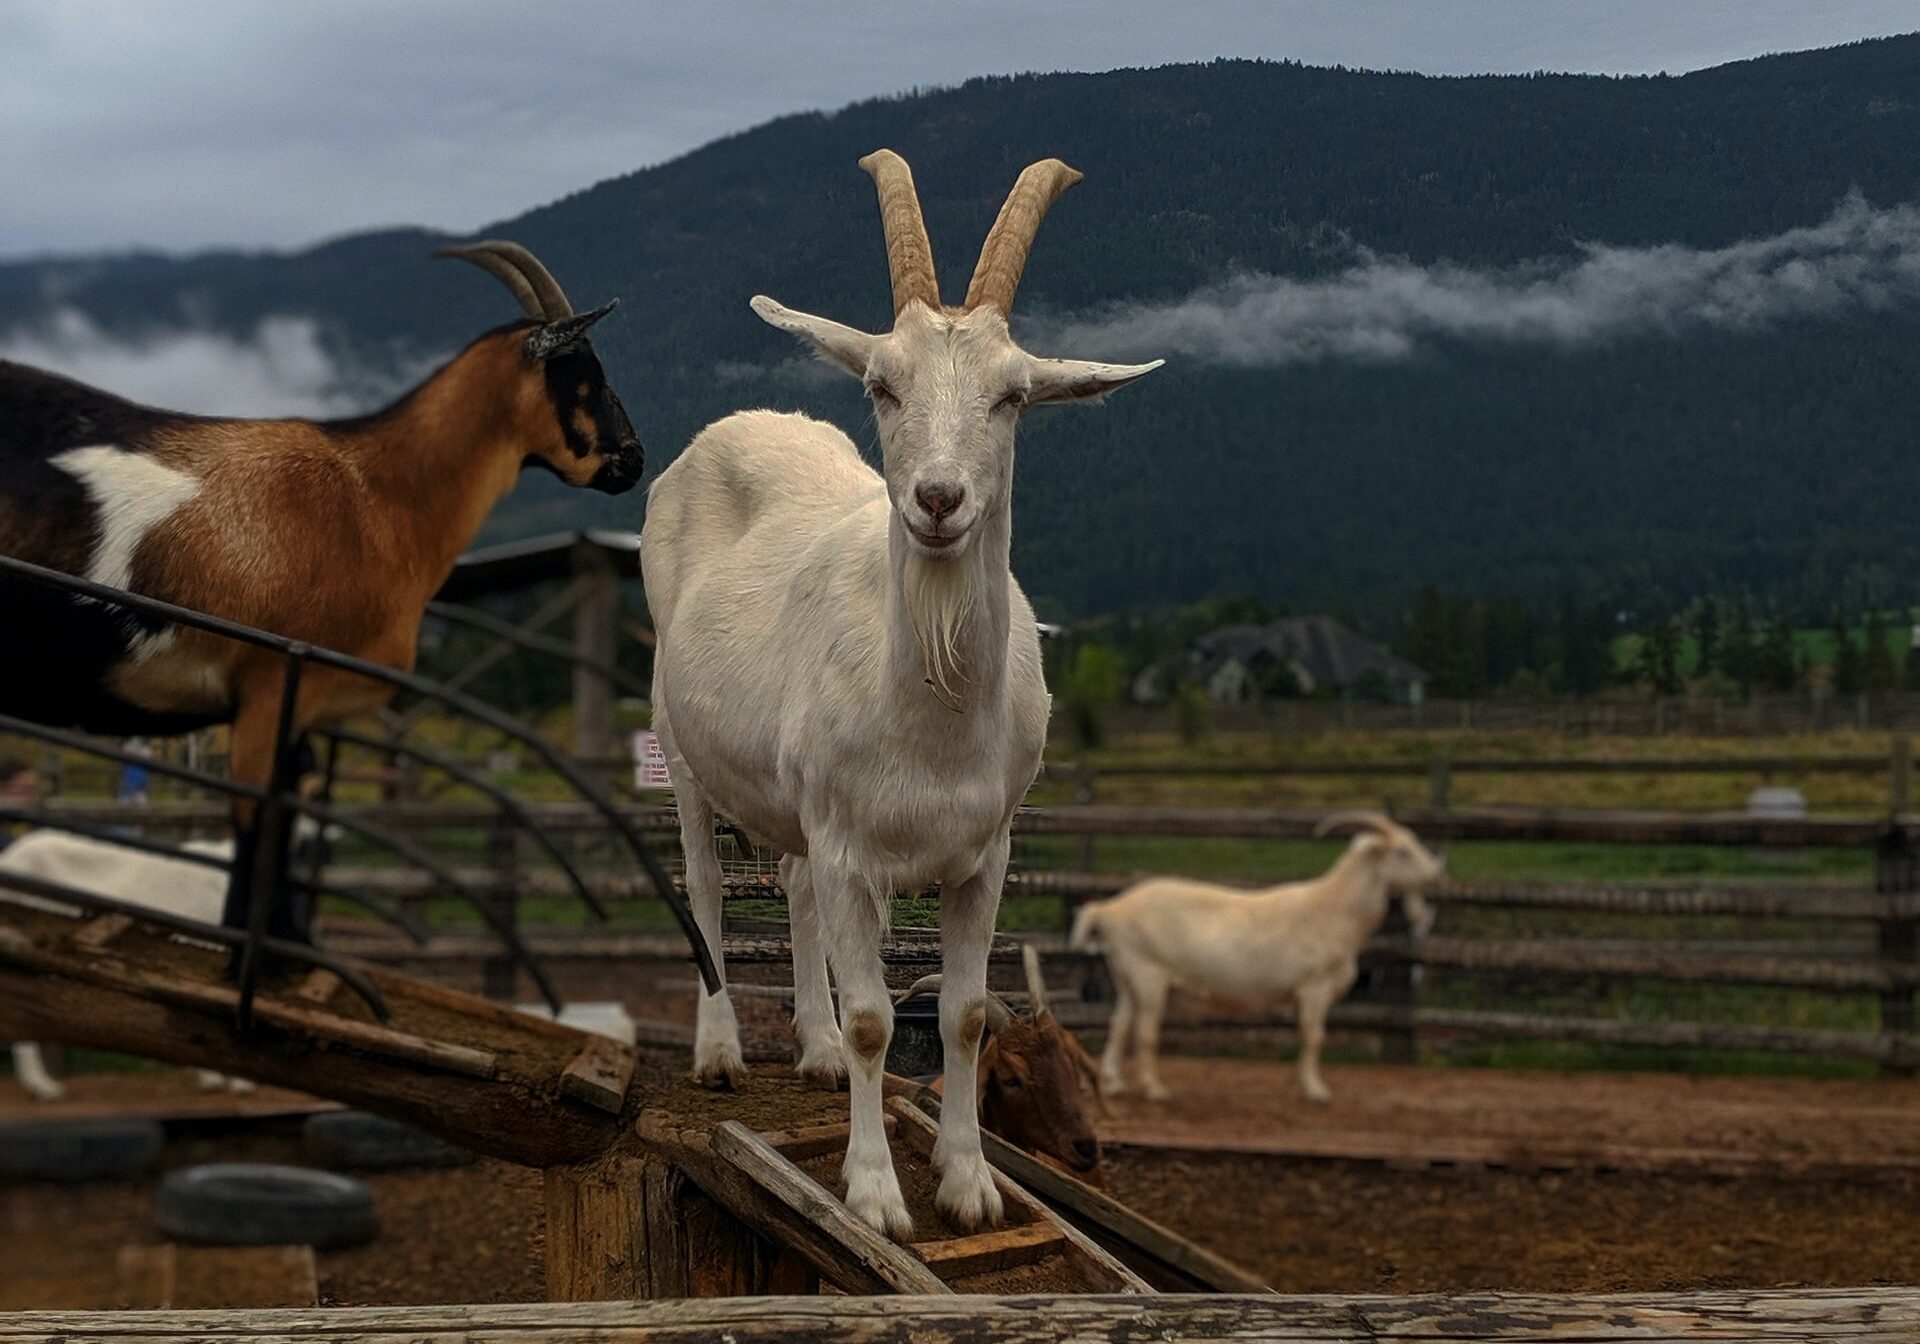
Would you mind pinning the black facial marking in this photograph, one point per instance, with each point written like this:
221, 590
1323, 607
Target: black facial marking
592, 420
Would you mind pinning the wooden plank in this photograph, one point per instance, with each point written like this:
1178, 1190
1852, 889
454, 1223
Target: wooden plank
983, 1252
318, 988
1161, 1256
199, 1278
1863, 1315
1587, 957
1104, 1272
600, 1074
792, 1187
797, 1145
100, 931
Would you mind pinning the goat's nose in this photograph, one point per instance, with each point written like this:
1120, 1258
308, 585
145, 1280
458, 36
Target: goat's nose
940, 499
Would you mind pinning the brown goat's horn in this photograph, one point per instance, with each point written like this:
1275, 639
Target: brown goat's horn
519, 270
1036, 983
999, 1015
1004, 255
1364, 819
909, 254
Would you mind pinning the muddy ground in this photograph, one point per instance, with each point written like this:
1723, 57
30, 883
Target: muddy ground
475, 1233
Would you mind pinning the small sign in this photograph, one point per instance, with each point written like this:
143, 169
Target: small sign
650, 762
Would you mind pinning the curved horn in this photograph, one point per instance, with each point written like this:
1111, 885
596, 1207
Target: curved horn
1363, 818
1004, 255
519, 270
999, 1015
1036, 983
909, 254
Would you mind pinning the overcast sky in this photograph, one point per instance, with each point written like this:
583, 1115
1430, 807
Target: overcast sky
196, 123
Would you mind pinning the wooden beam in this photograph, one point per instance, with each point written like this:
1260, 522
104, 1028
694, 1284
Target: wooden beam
749, 1153
1863, 1315
600, 1074
984, 1252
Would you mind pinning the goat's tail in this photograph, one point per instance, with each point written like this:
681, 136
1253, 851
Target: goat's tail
1086, 928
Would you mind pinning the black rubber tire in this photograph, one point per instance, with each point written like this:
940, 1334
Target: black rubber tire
368, 1142
80, 1150
261, 1204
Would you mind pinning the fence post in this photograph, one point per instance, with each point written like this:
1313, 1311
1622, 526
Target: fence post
1897, 873
1901, 795
1394, 989
499, 974
1439, 783
1085, 792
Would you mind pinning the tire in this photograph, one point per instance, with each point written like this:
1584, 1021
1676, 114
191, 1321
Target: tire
360, 1140
80, 1150
260, 1204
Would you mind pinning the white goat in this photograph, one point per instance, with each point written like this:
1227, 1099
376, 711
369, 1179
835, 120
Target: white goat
1300, 940
848, 670
151, 881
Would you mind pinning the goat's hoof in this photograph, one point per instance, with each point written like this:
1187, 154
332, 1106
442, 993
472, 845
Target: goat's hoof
823, 1075
720, 1067
876, 1200
967, 1197
209, 1081
1319, 1096
1155, 1092
54, 1093
1113, 1087
239, 1087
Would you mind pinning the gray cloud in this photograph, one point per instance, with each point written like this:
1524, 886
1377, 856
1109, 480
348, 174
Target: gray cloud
1858, 259
203, 122
282, 369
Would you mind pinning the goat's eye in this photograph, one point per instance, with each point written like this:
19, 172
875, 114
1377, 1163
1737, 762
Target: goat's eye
882, 394
1013, 401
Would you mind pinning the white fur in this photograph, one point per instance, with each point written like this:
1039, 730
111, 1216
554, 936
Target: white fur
151, 881
1301, 940
857, 681
132, 494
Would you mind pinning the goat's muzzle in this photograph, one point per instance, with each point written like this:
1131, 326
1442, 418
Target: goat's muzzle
622, 469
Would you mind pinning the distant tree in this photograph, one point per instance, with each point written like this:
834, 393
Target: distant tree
1849, 660
1192, 713
1660, 658
1910, 668
1740, 648
1092, 692
1586, 647
1706, 637
1881, 672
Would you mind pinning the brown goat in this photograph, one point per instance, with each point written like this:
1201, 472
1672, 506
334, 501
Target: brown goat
335, 533
1032, 1074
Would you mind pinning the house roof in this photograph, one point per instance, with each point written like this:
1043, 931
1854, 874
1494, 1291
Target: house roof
1326, 650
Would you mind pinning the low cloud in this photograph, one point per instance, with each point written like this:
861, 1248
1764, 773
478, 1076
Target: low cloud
1860, 259
282, 369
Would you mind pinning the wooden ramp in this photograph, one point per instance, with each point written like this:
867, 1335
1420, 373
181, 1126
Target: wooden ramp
1865, 1315
497, 1081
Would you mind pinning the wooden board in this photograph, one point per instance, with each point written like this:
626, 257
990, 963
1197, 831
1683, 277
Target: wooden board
1866, 1315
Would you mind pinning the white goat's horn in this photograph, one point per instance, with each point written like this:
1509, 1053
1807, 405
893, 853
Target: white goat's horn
520, 271
1036, 983
1366, 820
1004, 255
909, 254
999, 1015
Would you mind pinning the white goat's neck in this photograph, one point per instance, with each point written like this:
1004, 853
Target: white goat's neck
1362, 887
948, 620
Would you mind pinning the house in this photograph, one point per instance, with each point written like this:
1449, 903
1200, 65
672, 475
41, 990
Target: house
1299, 655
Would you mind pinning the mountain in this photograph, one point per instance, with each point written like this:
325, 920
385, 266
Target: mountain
1775, 458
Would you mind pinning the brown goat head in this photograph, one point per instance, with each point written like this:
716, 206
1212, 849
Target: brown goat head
569, 416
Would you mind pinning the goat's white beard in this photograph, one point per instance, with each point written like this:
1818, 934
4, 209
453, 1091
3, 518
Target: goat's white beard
940, 600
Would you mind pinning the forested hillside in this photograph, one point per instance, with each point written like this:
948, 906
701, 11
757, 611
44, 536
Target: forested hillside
1774, 459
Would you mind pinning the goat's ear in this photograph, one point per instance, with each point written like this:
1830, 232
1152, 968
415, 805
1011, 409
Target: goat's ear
549, 340
834, 342
1058, 380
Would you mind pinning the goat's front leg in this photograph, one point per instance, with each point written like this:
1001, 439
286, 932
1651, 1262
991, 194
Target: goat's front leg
1313, 1000
852, 920
967, 1193
256, 729
822, 1059
30, 1067
717, 1058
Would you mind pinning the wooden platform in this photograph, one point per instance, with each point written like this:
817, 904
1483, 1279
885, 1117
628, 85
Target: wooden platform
107, 1097
1878, 1315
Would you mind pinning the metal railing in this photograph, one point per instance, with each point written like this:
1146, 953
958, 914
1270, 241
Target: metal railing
265, 860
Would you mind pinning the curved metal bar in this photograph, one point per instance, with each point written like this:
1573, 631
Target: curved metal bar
407, 849
509, 804
213, 933
475, 708
547, 644
61, 737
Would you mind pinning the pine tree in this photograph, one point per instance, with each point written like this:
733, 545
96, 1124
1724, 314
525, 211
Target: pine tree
1706, 638
1880, 672
1849, 662
1779, 665
1660, 658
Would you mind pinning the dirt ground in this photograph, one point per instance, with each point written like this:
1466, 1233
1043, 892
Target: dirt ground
475, 1233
